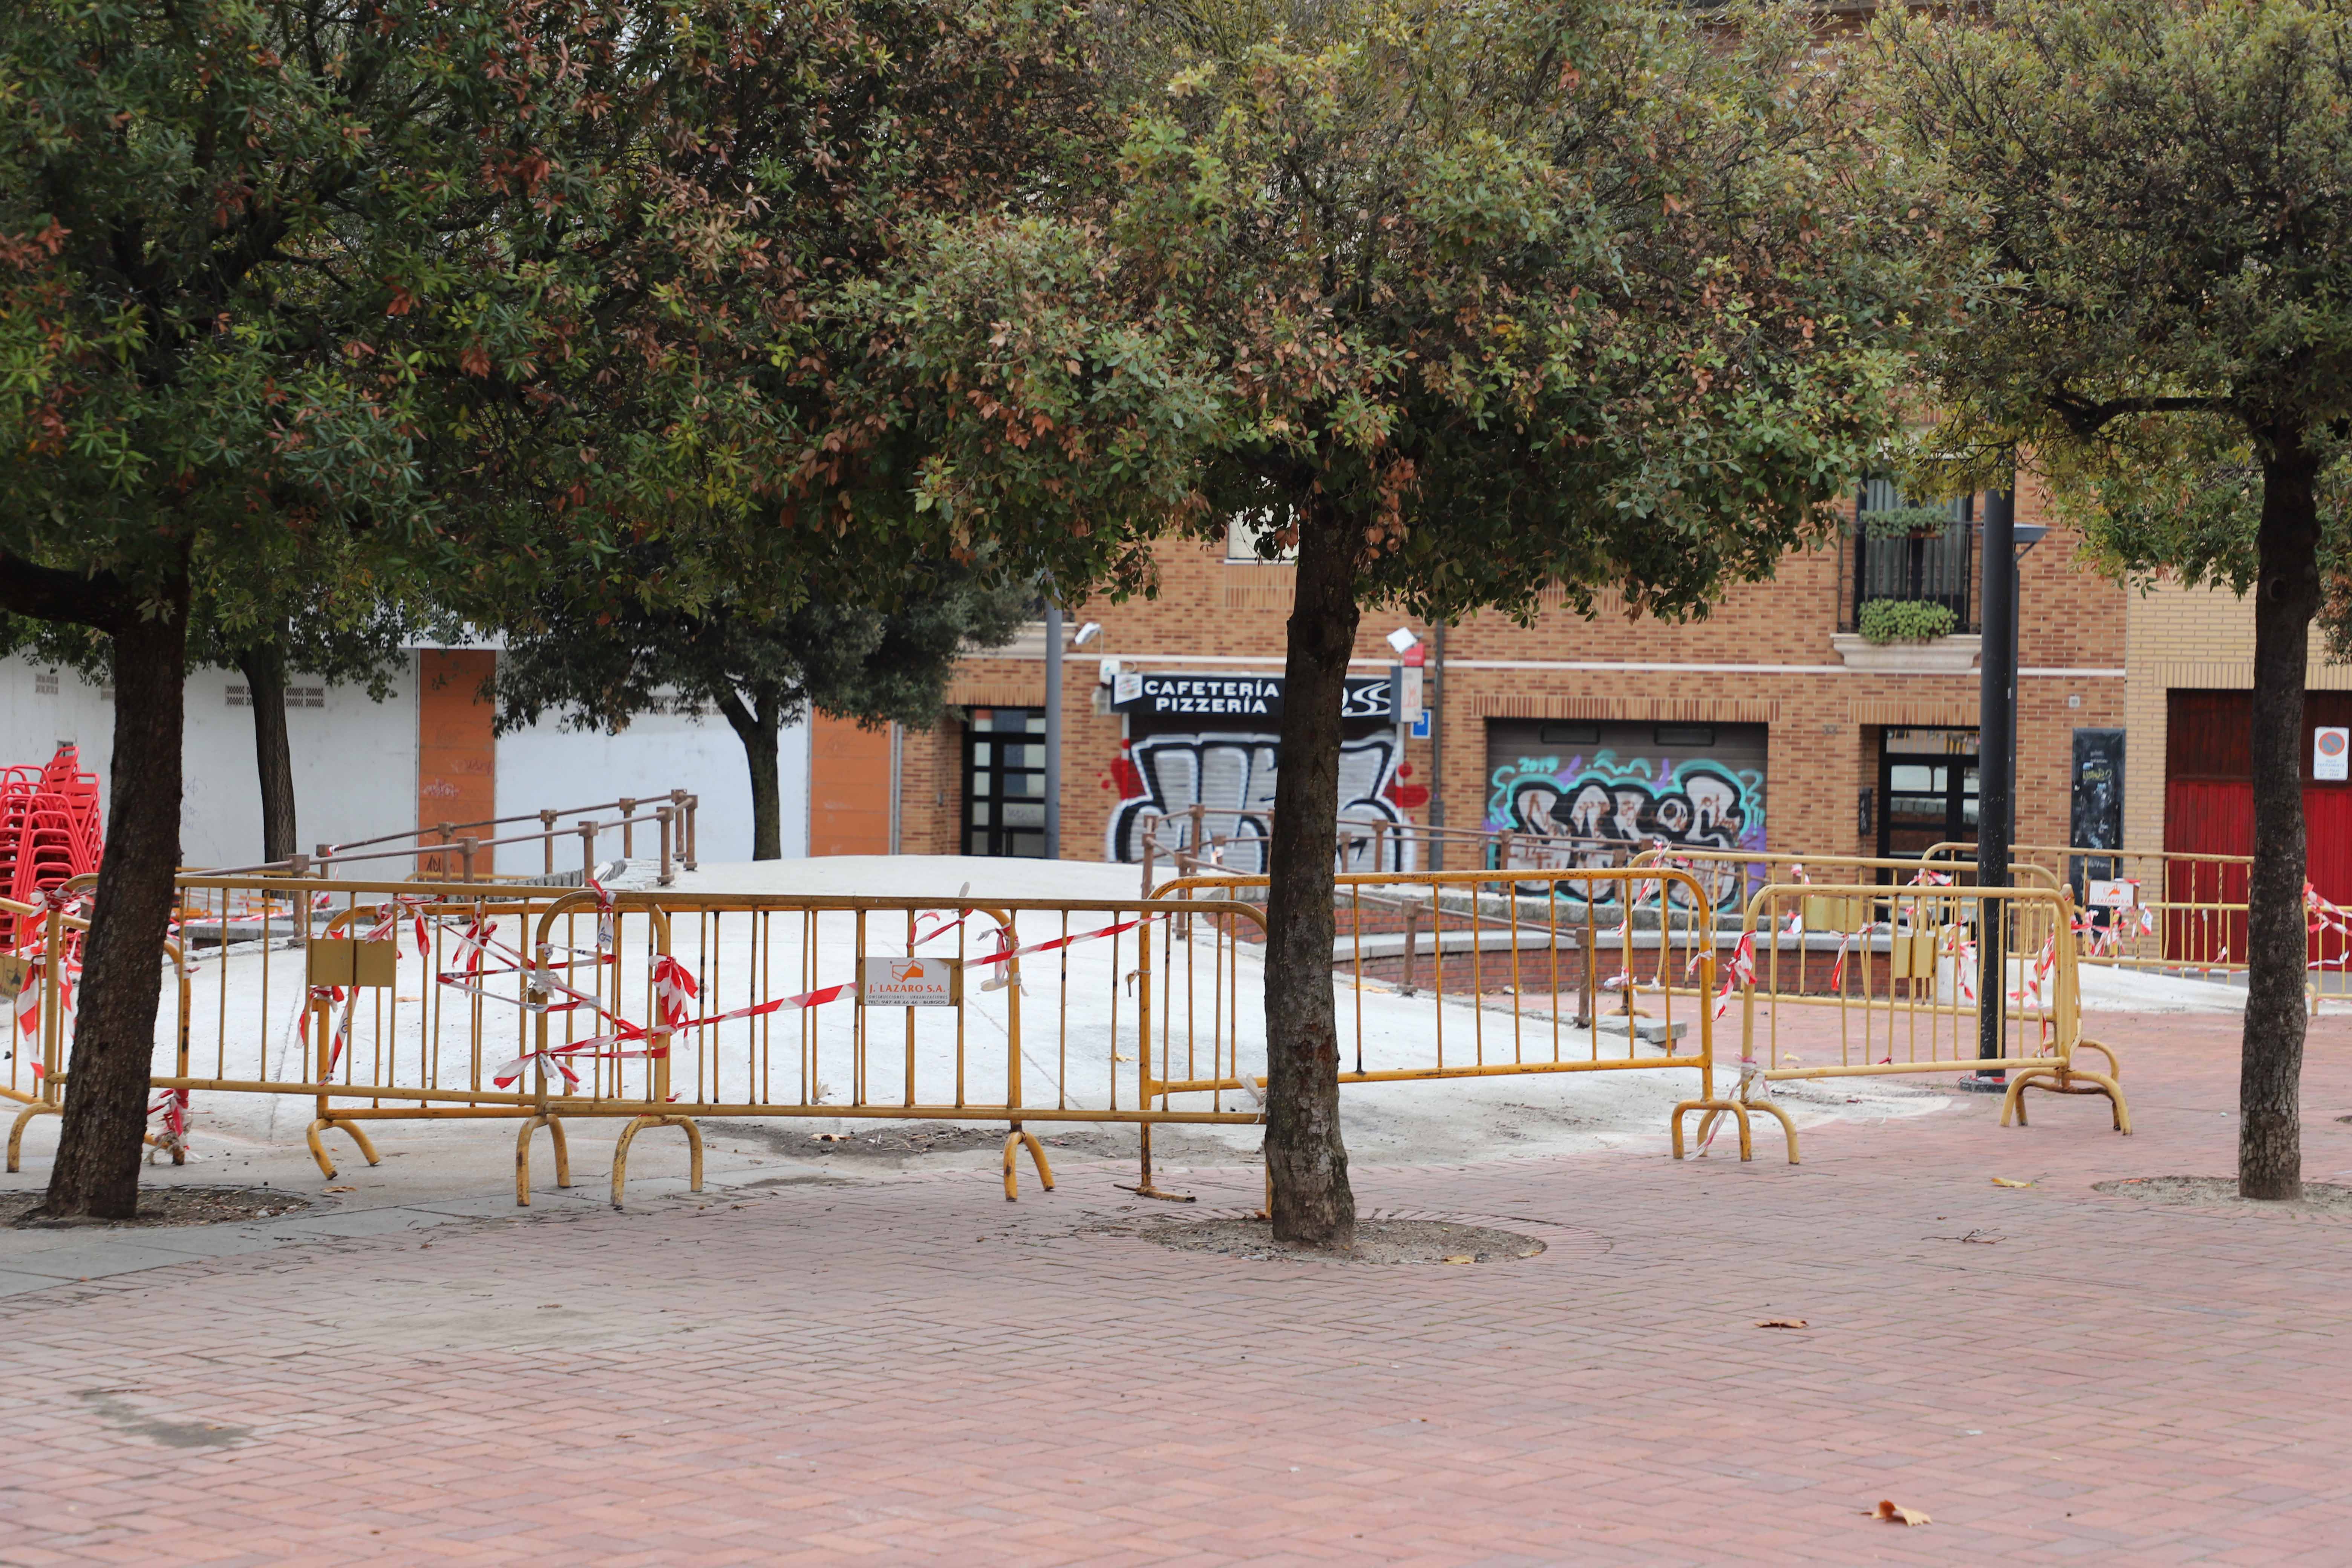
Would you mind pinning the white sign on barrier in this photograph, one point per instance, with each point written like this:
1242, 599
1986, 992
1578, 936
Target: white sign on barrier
910, 982
2116, 895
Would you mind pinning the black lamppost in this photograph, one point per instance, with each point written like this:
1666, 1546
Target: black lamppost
1996, 770
1053, 725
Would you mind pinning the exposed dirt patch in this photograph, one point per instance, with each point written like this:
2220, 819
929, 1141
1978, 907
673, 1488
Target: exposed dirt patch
1168, 1144
905, 1141
1377, 1241
167, 1206
2221, 1192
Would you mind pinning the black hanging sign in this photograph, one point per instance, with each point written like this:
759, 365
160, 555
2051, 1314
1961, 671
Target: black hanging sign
1255, 698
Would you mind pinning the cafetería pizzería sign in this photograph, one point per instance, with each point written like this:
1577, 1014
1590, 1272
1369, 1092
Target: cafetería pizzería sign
1232, 697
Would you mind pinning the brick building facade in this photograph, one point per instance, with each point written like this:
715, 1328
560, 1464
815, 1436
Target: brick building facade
1768, 724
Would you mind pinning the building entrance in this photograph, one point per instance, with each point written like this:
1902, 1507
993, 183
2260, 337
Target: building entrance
1927, 783
1005, 781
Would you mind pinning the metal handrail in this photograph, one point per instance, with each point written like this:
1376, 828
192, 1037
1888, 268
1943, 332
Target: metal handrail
675, 819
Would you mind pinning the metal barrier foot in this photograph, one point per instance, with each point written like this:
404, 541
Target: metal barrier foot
17, 1131
319, 1148
1013, 1141
1788, 1127
1143, 1187
554, 1126
621, 1151
1714, 1108
2066, 1080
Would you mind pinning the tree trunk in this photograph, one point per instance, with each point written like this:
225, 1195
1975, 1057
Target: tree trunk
757, 726
97, 1169
2270, 1063
1304, 1154
263, 667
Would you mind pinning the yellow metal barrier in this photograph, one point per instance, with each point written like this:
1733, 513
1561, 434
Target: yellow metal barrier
1733, 875
1462, 975
1859, 980
44, 963
399, 1000
2170, 912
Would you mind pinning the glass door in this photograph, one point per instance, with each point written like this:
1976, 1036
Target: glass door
1005, 781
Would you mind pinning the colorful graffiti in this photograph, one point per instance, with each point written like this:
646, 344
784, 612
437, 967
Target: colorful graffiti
1597, 810
1161, 776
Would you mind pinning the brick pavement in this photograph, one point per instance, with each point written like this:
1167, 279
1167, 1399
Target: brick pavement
908, 1369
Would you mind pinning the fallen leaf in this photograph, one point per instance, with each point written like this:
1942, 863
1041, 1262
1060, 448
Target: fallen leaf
1895, 1513
1459, 1257
1782, 1324
2005, 1181
342, 1189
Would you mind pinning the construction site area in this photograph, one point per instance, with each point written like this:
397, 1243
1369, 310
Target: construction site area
763, 1121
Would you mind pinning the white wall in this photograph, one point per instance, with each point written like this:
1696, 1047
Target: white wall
545, 767
355, 767
355, 761
31, 725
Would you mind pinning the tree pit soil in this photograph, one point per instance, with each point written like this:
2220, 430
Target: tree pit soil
2221, 1192
163, 1206
1379, 1241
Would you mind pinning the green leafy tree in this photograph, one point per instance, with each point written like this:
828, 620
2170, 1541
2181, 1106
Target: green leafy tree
2138, 206
1467, 299
460, 297
600, 667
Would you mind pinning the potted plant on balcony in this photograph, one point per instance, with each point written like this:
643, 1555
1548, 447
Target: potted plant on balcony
1884, 621
1906, 522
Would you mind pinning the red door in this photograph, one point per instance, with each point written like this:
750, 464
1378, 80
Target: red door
2209, 809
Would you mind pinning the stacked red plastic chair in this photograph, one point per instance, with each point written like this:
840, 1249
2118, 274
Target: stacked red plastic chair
50, 832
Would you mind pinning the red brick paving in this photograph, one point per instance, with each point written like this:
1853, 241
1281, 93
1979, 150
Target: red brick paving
909, 1369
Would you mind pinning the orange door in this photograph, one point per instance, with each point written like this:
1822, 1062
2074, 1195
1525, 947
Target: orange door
457, 754
849, 788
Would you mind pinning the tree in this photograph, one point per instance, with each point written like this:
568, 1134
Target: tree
277, 284
466, 296
2138, 207
601, 667
1470, 300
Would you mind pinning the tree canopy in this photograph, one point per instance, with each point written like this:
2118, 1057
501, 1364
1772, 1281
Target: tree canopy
464, 293
2135, 211
1462, 301
883, 657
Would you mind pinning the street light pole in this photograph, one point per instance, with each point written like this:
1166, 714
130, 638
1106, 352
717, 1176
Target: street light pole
1053, 726
1996, 774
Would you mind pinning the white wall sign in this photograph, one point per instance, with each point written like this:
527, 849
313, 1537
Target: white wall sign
2330, 750
910, 982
